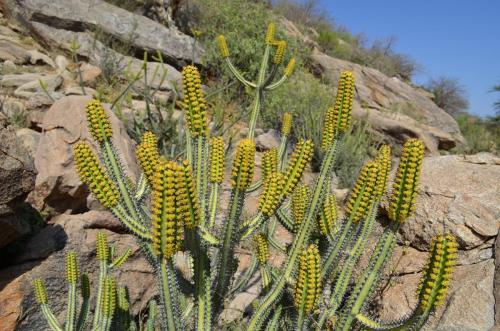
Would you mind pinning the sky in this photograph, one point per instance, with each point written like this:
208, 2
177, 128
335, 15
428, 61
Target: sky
453, 38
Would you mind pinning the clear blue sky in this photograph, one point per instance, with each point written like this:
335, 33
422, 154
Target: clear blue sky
454, 38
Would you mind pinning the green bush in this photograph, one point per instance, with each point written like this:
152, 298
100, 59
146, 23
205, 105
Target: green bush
482, 135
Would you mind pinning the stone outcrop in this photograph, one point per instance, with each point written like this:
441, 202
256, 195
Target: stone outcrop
141, 32
394, 109
43, 257
17, 179
460, 195
58, 187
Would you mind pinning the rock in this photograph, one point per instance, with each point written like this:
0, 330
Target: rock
29, 140
17, 175
44, 258
392, 107
11, 50
99, 55
268, 140
470, 304
58, 186
143, 33
9, 67
50, 84
36, 57
17, 80
496, 254
89, 73
460, 193
13, 107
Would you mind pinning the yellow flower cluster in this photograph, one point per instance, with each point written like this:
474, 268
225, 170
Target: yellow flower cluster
307, 289
92, 174
338, 117
216, 160
102, 247
363, 193
189, 197
328, 215
300, 158
383, 159
194, 101
271, 30
168, 208
71, 268
289, 67
223, 49
280, 52
148, 155
269, 163
272, 193
438, 271
300, 199
98, 122
261, 248
287, 124
243, 165
40, 291
405, 187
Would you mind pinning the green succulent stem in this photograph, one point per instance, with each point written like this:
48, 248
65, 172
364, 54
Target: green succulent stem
50, 317
370, 277
71, 308
167, 292
214, 198
200, 169
259, 93
301, 238
103, 273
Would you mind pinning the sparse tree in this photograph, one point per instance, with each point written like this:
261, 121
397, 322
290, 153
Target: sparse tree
496, 88
449, 94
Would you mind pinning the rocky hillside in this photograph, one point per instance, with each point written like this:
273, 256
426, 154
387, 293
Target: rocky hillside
45, 210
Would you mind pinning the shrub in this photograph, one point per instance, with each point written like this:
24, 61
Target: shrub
449, 94
482, 135
172, 208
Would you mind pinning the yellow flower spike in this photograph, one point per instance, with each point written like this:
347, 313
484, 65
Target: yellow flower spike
405, 187
192, 212
271, 195
300, 199
40, 292
328, 215
269, 163
102, 247
384, 160
194, 101
287, 124
289, 68
217, 160
280, 52
438, 272
92, 174
148, 155
338, 117
243, 165
308, 282
261, 248
223, 49
71, 268
97, 121
122, 299
168, 207
300, 158
271, 30
109, 296
363, 193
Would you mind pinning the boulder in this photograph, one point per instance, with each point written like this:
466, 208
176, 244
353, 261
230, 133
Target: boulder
141, 32
460, 193
58, 187
43, 257
394, 108
268, 140
17, 175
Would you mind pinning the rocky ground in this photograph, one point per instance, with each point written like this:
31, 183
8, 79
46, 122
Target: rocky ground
45, 210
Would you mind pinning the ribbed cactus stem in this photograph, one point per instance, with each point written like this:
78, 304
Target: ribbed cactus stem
71, 278
307, 287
